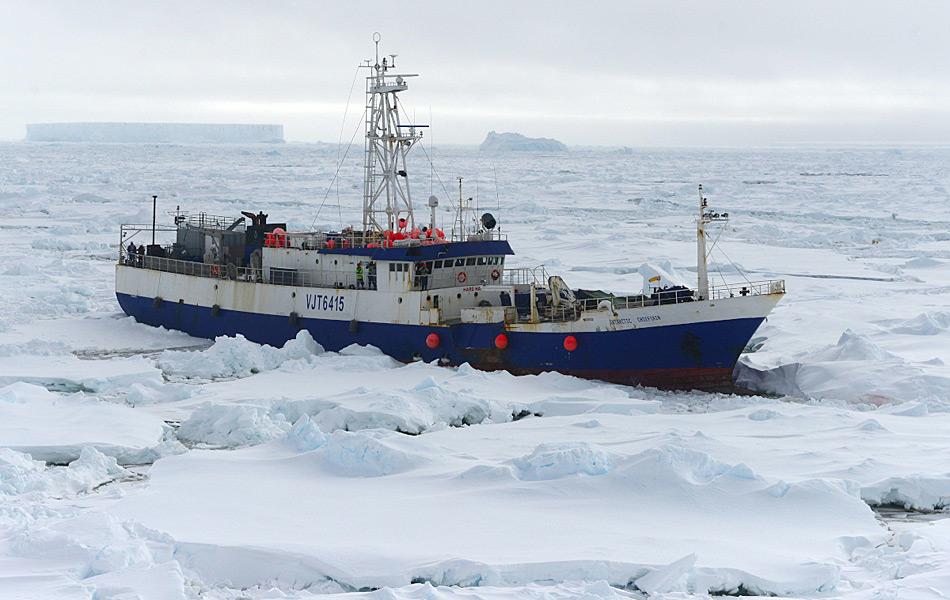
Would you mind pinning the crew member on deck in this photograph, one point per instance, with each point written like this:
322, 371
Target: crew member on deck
359, 275
130, 254
371, 268
422, 275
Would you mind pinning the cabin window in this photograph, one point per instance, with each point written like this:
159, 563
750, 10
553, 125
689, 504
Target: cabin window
438, 264
470, 262
482, 260
392, 267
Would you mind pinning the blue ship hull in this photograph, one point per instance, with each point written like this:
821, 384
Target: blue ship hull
697, 355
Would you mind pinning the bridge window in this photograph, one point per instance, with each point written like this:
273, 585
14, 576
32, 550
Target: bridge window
459, 262
470, 262
437, 265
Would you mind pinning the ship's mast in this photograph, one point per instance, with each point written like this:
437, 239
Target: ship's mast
705, 218
386, 197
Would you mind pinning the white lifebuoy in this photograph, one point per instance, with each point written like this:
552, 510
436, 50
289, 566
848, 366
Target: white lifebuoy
462, 277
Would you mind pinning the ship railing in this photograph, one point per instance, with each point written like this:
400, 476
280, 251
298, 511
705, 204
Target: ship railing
660, 297
272, 275
483, 236
345, 239
138, 233
526, 276
206, 221
754, 288
680, 295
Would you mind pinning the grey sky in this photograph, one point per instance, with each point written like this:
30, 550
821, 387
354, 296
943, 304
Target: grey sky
586, 72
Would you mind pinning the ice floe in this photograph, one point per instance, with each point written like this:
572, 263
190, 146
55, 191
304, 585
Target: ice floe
20, 474
231, 357
56, 428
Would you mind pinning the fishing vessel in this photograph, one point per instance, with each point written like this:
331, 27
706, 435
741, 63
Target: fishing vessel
418, 289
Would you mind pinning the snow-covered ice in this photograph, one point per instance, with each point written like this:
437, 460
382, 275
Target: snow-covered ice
57, 427
140, 462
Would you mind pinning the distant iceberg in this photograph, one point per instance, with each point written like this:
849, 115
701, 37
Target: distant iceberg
156, 133
515, 142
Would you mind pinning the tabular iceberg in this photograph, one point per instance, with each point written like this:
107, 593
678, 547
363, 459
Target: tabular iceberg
515, 142
161, 133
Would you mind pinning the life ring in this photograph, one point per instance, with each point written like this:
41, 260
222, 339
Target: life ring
461, 277
215, 270
495, 274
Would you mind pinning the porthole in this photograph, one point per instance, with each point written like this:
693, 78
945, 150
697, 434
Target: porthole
459, 296
398, 300
476, 294
293, 294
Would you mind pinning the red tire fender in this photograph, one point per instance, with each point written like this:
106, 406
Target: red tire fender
570, 343
501, 341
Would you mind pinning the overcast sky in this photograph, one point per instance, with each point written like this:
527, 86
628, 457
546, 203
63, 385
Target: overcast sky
586, 72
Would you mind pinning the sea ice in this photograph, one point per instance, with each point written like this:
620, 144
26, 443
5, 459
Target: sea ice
20, 474
231, 357
56, 428
526, 487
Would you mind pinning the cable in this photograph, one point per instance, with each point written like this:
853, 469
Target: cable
431, 164
738, 270
339, 143
339, 166
439, 177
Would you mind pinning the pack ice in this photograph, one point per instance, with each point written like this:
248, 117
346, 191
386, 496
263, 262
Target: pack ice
141, 463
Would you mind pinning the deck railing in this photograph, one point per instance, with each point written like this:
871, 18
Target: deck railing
680, 295
273, 276
526, 276
754, 288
